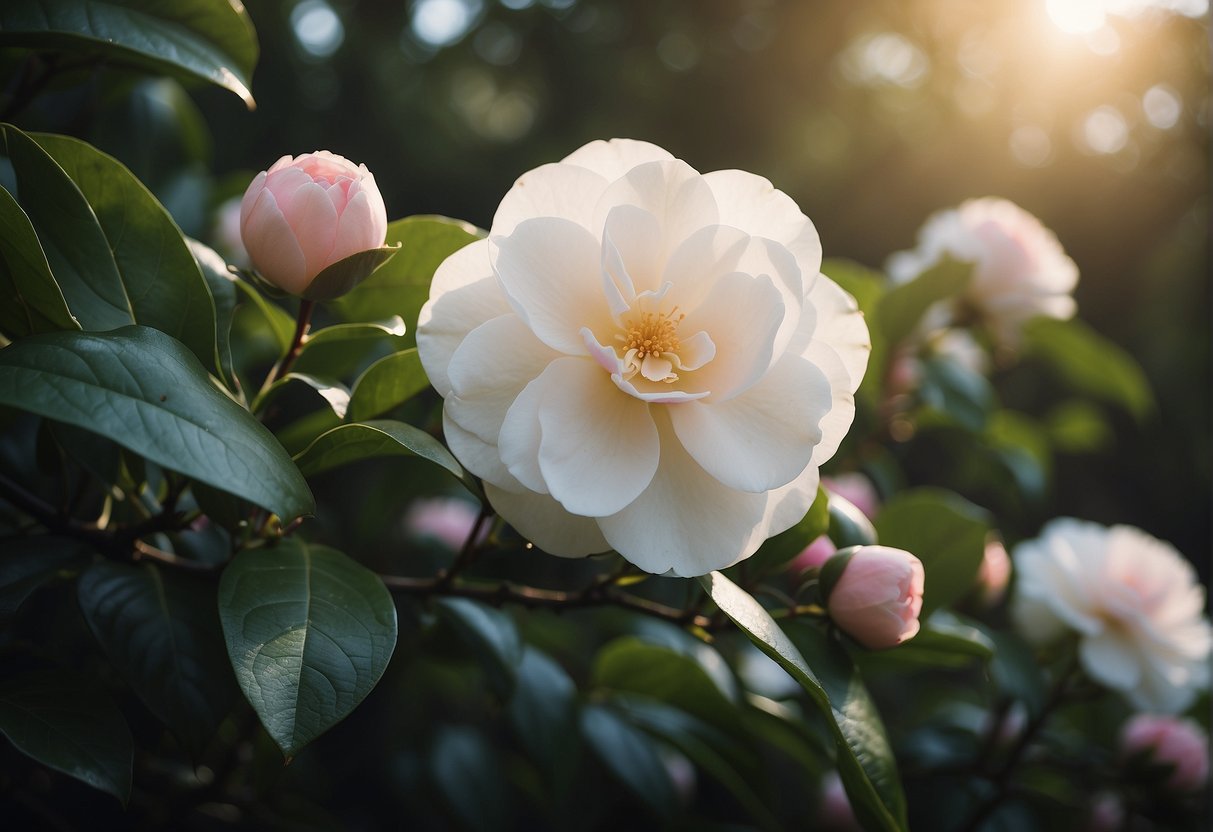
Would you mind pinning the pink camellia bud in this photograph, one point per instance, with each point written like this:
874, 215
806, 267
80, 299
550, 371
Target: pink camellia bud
447, 520
813, 555
1169, 741
874, 594
306, 213
995, 571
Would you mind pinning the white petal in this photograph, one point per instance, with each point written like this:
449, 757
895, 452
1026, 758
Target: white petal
555, 190
612, 159
763, 438
742, 315
655, 392
480, 457
701, 260
489, 369
697, 350
841, 326
544, 522
463, 295
674, 193
835, 424
1111, 660
631, 249
518, 441
752, 204
550, 271
686, 521
599, 447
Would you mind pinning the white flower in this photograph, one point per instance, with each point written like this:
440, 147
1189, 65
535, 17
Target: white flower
1133, 600
1020, 270
644, 358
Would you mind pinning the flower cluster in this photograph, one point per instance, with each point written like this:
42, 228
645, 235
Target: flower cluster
644, 358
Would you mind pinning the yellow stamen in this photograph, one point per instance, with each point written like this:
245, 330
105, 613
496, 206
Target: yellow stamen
653, 335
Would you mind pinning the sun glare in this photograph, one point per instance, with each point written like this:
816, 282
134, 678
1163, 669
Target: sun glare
1084, 17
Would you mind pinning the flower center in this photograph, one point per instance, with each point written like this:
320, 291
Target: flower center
650, 345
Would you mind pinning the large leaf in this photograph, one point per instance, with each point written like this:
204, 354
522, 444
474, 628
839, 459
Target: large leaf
865, 759
309, 632
222, 284
27, 563
402, 286
1091, 364
162, 633
945, 531
337, 351
542, 709
30, 299
145, 391
466, 771
902, 307
387, 383
492, 636
74, 243
377, 438
630, 755
64, 722
160, 276
208, 39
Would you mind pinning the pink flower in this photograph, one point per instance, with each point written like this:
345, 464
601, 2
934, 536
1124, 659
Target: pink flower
445, 519
307, 213
835, 812
878, 597
995, 572
1168, 741
856, 489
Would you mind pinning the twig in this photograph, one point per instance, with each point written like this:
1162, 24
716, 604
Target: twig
302, 322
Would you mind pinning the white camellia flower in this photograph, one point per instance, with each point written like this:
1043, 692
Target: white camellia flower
644, 358
1133, 600
1020, 269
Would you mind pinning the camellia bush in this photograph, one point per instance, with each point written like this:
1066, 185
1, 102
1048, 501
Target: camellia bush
597, 518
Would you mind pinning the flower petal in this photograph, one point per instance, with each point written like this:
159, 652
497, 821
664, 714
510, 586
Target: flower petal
480, 457
1111, 660
754, 205
271, 245
463, 295
554, 190
314, 220
486, 379
631, 248
599, 447
840, 326
763, 438
612, 159
550, 271
686, 522
837, 421
357, 229
544, 522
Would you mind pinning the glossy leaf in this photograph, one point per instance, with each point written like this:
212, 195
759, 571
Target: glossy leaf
403, 285
161, 632
338, 351
27, 563
542, 710
902, 307
30, 299
466, 771
161, 279
222, 285
211, 41
280, 325
308, 631
492, 636
377, 438
342, 276
849, 526
961, 394
75, 245
864, 756
629, 755
945, 531
145, 391
1091, 364
335, 394
64, 722
386, 384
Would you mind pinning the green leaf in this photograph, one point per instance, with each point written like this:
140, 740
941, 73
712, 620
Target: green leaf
202, 39
869, 771
145, 391
160, 276
64, 722
334, 393
542, 709
943, 530
71, 237
634, 666
776, 552
629, 755
1078, 427
222, 285
337, 351
279, 323
342, 276
492, 636
865, 760
27, 563
944, 641
849, 526
403, 285
467, 772
902, 307
161, 631
963, 395
309, 632
386, 384
1090, 364
32, 300
378, 438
